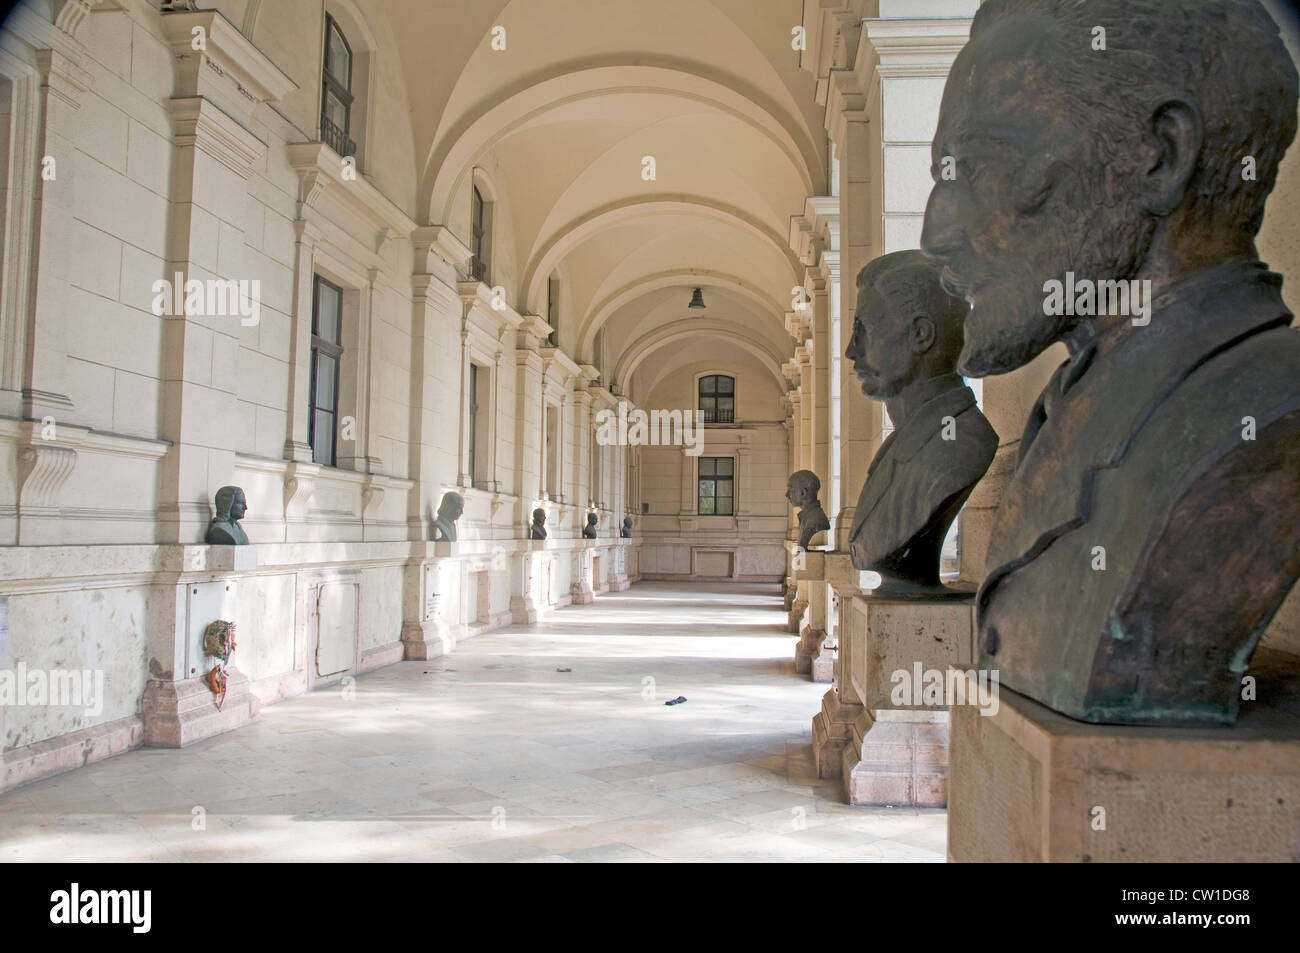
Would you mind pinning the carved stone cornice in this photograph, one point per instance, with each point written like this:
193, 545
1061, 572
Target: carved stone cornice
437, 243
70, 14
320, 170
200, 123
62, 77
226, 56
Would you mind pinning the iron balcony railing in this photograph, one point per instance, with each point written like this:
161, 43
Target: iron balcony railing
336, 138
717, 416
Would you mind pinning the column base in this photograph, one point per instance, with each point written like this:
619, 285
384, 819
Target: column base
794, 621
823, 663
831, 729
897, 759
619, 583
523, 610
177, 714
582, 595
425, 640
1029, 784
810, 641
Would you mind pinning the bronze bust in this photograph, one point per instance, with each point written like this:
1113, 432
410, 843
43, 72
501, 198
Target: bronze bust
538, 528
589, 531
801, 490
224, 530
1151, 528
449, 510
907, 334
626, 531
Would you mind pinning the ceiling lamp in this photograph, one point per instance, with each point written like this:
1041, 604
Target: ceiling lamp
697, 299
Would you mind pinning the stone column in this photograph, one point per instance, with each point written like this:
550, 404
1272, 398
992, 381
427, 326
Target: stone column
218, 88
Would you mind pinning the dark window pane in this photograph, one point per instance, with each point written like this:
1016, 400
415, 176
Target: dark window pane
724, 508
322, 448
327, 369
327, 312
707, 385
726, 385
707, 466
724, 466
726, 405
336, 111
338, 61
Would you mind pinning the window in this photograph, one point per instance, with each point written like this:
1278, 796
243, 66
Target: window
336, 91
473, 421
479, 463
717, 495
718, 399
326, 352
552, 453
480, 222
553, 310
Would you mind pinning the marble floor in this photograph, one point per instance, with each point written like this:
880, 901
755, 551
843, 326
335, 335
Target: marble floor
541, 743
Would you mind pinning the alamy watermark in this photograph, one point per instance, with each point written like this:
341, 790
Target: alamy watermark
213, 297
1087, 298
930, 686
70, 688
656, 428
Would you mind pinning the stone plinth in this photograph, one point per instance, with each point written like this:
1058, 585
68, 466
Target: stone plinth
831, 729
177, 714
897, 758
1029, 784
897, 751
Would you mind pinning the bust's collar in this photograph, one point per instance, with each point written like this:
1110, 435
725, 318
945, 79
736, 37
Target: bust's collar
926, 422
1192, 316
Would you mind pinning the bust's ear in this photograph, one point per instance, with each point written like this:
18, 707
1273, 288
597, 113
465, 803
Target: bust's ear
1172, 144
923, 334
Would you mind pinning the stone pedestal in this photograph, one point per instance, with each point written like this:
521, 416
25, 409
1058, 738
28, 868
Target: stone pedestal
823, 663
897, 753
831, 728
1028, 784
618, 579
809, 570
177, 714
432, 633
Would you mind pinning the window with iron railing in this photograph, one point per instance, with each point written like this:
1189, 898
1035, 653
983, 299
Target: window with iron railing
336, 91
717, 399
480, 243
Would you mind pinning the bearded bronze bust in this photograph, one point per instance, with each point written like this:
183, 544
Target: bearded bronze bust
1151, 528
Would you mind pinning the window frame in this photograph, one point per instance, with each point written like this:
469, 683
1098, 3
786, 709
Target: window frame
715, 478
480, 227
340, 88
332, 349
713, 415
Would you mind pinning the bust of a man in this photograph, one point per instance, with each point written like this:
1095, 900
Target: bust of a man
589, 531
801, 490
449, 510
907, 333
224, 530
1110, 201
538, 529
626, 531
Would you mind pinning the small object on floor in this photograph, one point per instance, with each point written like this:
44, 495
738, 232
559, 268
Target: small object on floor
676, 701
564, 670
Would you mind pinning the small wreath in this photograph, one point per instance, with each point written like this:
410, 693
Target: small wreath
219, 642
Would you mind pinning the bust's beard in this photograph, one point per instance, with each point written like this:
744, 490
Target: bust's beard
1007, 327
